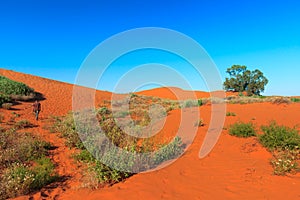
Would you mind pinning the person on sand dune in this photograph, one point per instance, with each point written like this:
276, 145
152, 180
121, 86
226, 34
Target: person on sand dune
36, 109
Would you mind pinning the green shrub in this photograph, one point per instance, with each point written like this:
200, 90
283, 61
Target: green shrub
10, 87
230, 114
43, 173
279, 137
295, 100
108, 175
84, 156
200, 102
15, 181
241, 129
20, 147
4, 99
23, 165
20, 179
169, 151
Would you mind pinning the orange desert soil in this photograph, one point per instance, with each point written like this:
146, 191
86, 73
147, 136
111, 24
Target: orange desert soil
237, 168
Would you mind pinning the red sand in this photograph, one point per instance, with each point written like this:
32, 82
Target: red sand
235, 169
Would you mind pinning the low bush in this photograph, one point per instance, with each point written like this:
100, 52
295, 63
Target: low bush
21, 179
169, 151
113, 135
4, 99
20, 147
23, 165
10, 87
295, 100
23, 124
241, 129
278, 137
190, 103
66, 127
281, 100
230, 114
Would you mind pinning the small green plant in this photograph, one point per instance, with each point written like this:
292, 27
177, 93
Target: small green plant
241, 129
230, 114
43, 173
278, 137
295, 100
16, 114
200, 102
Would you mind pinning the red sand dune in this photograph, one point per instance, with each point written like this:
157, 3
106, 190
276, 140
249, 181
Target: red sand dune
174, 93
235, 169
170, 93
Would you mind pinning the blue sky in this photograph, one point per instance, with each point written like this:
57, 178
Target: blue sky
53, 38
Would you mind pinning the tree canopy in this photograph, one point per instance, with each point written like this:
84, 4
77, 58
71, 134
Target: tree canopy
243, 80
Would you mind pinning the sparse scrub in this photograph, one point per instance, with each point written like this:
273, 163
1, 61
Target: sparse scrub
23, 124
21, 179
20, 147
278, 137
66, 127
281, 100
241, 129
286, 161
169, 151
190, 103
113, 135
23, 165
230, 114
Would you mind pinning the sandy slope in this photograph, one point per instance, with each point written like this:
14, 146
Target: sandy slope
235, 169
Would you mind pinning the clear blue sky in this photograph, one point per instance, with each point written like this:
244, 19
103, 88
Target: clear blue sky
51, 38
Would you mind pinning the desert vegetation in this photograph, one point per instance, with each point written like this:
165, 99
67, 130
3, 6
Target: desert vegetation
241, 129
144, 153
24, 165
282, 141
13, 90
